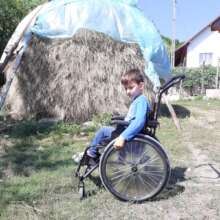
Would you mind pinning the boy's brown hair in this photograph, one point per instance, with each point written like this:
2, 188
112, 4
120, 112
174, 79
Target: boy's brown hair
134, 75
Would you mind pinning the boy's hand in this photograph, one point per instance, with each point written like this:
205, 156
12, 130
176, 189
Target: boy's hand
119, 143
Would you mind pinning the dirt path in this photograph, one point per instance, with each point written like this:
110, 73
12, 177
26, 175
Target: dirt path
204, 168
202, 177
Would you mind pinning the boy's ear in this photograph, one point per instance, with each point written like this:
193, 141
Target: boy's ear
141, 85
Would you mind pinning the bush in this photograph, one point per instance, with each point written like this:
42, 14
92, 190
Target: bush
197, 79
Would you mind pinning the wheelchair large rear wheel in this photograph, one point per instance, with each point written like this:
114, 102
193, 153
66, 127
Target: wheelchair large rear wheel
136, 173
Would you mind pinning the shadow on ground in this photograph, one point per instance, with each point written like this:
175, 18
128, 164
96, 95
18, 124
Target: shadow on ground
172, 189
24, 129
25, 155
181, 112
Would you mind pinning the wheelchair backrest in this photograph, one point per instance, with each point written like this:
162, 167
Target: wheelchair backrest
152, 122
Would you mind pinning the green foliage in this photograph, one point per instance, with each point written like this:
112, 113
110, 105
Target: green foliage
195, 77
168, 43
11, 13
62, 127
102, 119
31, 128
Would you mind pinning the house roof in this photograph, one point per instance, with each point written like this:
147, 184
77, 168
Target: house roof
180, 52
215, 26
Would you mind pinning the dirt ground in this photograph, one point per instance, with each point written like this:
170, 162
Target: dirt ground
201, 182
194, 191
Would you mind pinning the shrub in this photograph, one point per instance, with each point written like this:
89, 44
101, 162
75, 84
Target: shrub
197, 79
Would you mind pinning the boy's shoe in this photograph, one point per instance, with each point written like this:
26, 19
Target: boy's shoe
77, 157
91, 153
93, 157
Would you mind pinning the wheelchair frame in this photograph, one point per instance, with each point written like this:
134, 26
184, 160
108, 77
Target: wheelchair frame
147, 135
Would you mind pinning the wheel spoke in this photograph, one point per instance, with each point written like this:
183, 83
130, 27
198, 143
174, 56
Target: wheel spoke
118, 176
153, 158
152, 166
123, 160
143, 183
126, 187
150, 174
150, 161
120, 170
144, 154
122, 178
147, 183
151, 178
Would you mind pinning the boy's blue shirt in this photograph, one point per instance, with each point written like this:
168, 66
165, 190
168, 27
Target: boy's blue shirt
136, 115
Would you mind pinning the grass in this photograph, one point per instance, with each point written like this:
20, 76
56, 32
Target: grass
35, 157
36, 168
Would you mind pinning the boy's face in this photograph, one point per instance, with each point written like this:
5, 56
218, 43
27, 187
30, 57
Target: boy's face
134, 89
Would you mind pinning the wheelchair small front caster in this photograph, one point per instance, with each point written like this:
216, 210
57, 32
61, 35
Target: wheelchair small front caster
82, 193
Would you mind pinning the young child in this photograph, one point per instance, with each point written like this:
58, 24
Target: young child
133, 82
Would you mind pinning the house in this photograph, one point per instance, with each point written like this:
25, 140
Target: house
202, 48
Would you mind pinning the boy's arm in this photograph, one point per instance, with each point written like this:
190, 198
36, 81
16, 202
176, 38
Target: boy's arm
119, 143
137, 124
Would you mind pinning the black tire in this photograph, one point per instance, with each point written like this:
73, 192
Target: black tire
136, 173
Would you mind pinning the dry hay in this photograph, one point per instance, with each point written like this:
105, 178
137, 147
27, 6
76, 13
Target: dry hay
73, 79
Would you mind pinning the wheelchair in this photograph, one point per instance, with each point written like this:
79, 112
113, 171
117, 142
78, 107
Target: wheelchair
141, 169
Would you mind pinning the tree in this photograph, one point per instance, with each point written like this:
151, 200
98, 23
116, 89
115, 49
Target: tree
11, 13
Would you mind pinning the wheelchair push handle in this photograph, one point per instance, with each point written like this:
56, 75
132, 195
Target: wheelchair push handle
174, 80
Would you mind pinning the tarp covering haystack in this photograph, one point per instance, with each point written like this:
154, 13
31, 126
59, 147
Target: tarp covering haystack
76, 76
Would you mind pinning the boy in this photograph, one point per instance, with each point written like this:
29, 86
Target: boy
133, 82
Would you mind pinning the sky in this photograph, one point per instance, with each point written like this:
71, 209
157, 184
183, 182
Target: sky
191, 15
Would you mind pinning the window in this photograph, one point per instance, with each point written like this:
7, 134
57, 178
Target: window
205, 59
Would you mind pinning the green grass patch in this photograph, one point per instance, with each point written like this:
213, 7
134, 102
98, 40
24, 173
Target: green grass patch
204, 104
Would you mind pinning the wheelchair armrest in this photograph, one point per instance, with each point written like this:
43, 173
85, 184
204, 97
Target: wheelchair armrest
117, 117
119, 122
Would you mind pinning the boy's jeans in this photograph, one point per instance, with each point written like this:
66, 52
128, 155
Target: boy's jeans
102, 134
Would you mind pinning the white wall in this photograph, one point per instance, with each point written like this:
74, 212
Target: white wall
206, 42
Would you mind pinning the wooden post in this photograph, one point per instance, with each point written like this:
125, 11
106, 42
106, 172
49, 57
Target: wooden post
217, 74
172, 112
181, 89
173, 33
202, 79
11, 74
181, 82
15, 62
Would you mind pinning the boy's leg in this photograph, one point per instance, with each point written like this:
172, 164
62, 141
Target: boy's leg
102, 134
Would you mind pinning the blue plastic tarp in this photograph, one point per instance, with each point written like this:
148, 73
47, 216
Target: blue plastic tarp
120, 19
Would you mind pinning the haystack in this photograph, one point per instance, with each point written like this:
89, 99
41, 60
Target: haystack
73, 79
